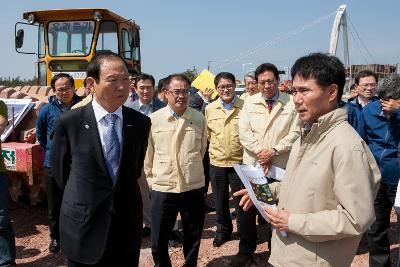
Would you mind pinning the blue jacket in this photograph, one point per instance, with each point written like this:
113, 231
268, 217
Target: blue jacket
45, 124
355, 109
382, 136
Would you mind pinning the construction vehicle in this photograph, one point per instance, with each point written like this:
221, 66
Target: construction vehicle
69, 38
66, 42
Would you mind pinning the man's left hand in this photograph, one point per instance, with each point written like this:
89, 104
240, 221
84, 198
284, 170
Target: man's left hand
279, 218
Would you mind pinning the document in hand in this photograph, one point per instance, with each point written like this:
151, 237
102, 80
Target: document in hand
257, 187
397, 200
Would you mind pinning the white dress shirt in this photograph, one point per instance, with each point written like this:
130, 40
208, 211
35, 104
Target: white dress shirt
99, 113
146, 109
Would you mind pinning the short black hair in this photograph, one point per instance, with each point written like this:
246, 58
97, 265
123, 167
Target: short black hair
324, 68
132, 71
266, 67
224, 75
161, 84
93, 69
145, 76
59, 76
363, 74
177, 76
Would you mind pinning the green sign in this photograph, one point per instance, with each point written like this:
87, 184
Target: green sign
10, 159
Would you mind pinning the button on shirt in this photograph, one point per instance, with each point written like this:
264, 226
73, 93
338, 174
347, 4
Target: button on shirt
99, 113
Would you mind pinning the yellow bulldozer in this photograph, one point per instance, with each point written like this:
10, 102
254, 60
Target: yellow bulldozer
66, 40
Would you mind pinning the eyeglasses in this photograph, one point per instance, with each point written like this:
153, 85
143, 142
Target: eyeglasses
224, 87
251, 83
368, 85
269, 82
179, 92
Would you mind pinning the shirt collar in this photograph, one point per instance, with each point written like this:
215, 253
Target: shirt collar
173, 113
141, 104
361, 103
227, 106
100, 112
274, 98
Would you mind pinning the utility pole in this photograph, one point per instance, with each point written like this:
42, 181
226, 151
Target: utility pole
208, 64
244, 65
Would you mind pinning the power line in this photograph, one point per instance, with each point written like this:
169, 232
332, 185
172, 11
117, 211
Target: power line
267, 44
358, 46
365, 47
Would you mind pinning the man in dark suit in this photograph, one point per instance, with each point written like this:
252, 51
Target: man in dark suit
144, 88
145, 104
98, 154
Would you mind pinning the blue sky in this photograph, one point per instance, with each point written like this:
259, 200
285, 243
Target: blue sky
177, 35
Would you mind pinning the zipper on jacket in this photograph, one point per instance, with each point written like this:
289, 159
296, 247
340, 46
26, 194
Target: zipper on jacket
384, 143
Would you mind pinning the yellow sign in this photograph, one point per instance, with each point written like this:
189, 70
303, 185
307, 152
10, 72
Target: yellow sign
205, 80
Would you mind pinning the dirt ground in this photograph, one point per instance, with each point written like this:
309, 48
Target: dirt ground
30, 225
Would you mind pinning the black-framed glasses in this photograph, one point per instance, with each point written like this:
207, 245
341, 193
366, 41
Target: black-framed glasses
224, 87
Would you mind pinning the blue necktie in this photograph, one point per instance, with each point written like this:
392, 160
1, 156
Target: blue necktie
112, 146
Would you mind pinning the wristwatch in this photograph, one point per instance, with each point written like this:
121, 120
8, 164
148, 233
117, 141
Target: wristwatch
276, 152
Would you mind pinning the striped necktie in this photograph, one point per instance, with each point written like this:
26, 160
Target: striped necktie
112, 146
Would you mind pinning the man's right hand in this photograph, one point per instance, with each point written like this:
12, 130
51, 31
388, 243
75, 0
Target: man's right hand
245, 201
391, 105
3, 124
207, 94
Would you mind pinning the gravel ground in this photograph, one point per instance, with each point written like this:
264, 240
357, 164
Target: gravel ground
30, 225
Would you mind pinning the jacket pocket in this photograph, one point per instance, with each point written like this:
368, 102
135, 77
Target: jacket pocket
162, 172
74, 212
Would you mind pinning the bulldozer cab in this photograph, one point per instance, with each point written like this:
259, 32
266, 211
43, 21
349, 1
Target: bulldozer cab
68, 39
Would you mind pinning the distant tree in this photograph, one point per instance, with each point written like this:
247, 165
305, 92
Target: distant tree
17, 81
191, 73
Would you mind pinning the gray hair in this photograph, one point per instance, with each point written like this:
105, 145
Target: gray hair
251, 75
389, 88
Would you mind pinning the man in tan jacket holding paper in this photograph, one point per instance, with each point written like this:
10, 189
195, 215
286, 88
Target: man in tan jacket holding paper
322, 205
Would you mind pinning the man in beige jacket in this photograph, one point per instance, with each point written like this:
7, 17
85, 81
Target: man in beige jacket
174, 168
323, 206
222, 118
268, 126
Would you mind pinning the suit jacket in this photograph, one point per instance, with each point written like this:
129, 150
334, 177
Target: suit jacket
91, 204
156, 104
195, 100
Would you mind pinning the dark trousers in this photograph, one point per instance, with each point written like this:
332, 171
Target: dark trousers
221, 179
54, 198
164, 209
206, 167
7, 238
378, 238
